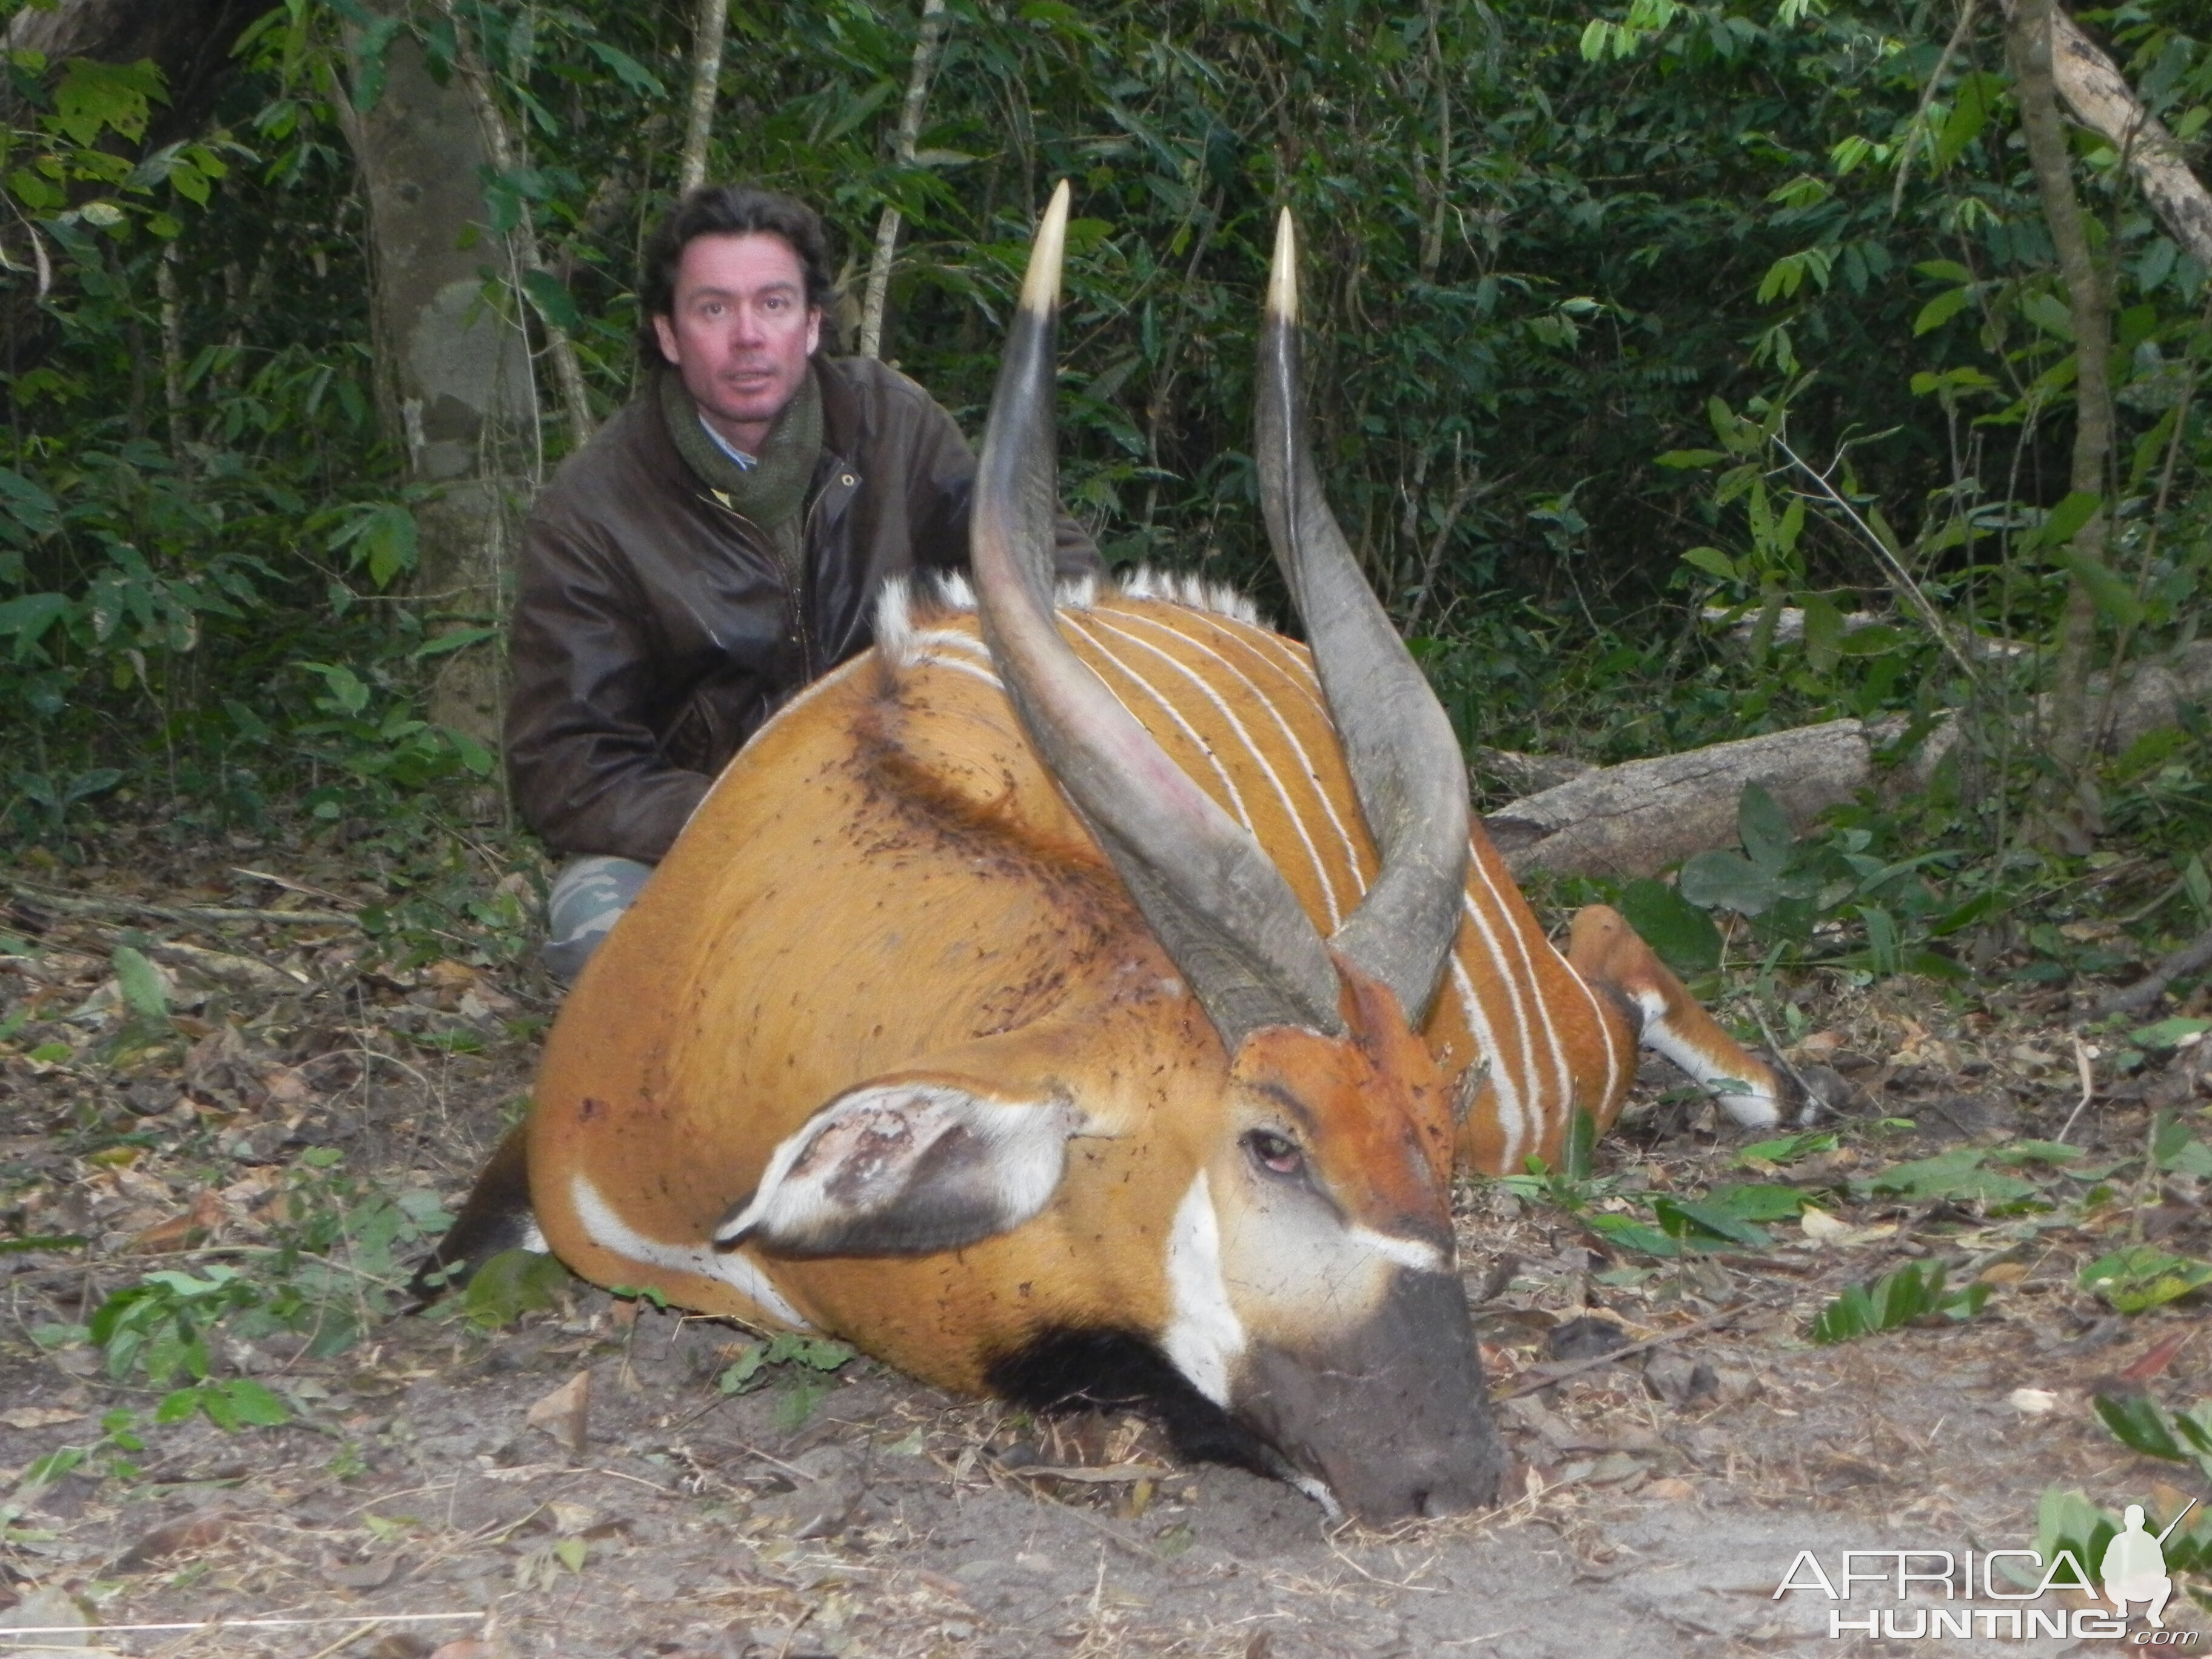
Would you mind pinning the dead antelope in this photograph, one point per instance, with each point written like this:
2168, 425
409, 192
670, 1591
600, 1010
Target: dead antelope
1086, 1002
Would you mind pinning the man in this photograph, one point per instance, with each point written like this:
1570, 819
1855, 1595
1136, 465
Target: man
717, 546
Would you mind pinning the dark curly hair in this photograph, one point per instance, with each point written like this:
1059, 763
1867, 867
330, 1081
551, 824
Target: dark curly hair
725, 210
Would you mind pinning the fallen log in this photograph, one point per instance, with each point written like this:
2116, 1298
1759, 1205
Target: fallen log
1638, 817
1642, 816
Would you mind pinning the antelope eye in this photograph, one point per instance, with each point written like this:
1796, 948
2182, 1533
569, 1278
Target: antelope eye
1278, 1154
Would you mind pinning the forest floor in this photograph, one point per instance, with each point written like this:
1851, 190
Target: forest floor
271, 1126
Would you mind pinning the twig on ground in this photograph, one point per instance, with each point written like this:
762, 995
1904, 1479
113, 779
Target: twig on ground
1113, 1534
77, 904
2088, 1089
1111, 1474
1812, 1097
2190, 959
770, 1457
1560, 1374
288, 884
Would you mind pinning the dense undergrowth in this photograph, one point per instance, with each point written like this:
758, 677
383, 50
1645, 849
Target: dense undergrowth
1588, 359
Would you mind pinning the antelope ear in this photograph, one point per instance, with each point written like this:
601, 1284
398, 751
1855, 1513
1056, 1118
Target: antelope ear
906, 1168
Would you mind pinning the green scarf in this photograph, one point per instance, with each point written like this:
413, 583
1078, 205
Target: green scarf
772, 493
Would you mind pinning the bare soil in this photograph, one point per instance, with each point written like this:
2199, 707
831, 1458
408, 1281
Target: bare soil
1659, 1498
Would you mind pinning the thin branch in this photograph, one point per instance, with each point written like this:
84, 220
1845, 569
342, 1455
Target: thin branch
1432, 237
2191, 959
1911, 589
1927, 97
45, 898
172, 356
925, 47
706, 78
567, 371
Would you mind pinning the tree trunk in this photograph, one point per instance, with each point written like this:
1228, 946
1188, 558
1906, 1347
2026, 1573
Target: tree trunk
173, 357
706, 78
909, 131
2074, 818
1432, 237
522, 241
2095, 91
454, 377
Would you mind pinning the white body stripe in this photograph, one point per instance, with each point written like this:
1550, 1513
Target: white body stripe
1607, 1030
1520, 975
733, 1267
1521, 1103
1299, 677
1254, 700
1255, 684
1236, 806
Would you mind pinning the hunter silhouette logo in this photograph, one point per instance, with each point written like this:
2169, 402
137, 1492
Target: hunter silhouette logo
2134, 1568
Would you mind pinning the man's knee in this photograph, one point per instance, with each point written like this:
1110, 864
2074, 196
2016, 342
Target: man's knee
589, 896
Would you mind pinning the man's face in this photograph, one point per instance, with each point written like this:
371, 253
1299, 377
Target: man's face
742, 331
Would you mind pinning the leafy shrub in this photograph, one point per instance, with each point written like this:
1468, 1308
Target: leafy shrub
1896, 1299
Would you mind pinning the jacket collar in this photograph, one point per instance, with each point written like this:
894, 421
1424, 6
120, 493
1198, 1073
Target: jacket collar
844, 435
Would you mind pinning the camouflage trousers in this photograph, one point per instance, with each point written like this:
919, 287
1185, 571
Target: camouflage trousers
589, 897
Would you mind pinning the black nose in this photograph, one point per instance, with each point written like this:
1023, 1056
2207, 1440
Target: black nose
1391, 1413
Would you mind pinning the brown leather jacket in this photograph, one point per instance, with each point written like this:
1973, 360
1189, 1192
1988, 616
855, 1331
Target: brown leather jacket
656, 630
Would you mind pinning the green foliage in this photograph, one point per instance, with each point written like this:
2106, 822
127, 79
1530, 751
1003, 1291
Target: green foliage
1896, 1299
160, 1326
2168, 1033
2143, 1276
2175, 1151
1618, 311
2141, 1424
1682, 934
1961, 1176
2068, 1527
338, 1270
1797, 891
236, 1403
2069, 1524
510, 1285
144, 998
802, 1362
111, 1455
1787, 1149
1665, 1226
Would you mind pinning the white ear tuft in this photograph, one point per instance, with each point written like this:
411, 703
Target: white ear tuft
906, 1168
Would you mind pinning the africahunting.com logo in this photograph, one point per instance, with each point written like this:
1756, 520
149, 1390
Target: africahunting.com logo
1920, 1594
